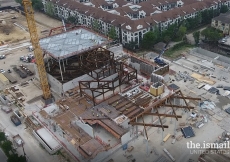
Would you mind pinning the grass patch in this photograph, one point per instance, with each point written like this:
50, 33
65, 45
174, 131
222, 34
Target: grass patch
176, 50
142, 52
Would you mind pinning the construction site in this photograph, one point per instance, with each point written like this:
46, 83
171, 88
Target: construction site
123, 98
108, 104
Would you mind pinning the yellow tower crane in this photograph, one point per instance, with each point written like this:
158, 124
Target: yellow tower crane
38, 53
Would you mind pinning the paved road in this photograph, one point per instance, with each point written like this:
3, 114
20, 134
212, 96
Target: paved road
3, 157
33, 151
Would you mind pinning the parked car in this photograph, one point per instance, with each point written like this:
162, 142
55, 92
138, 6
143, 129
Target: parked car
2, 56
27, 58
2, 71
227, 110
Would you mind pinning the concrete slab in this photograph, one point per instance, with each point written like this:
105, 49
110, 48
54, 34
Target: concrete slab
70, 43
217, 117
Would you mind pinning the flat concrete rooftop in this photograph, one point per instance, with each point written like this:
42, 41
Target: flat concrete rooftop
72, 43
47, 137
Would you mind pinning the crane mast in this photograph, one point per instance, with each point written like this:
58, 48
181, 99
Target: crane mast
38, 53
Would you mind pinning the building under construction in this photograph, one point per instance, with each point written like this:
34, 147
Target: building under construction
69, 56
106, 99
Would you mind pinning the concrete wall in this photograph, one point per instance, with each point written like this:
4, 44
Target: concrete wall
73, 83
88, 129
125, 124
208, 55
56, 86
44, 145
126, 138
102, 155
105, 154
136, 66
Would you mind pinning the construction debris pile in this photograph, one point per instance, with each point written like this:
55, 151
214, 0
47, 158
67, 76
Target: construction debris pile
207, 105
183, 76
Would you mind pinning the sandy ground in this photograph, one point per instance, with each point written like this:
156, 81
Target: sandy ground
16, 34
46, 21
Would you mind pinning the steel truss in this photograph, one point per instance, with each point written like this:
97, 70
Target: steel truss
107, 74
165, 102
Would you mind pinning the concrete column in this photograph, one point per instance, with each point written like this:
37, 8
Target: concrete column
162, 137
152, 115
147, 147
60, 70
175, 127
63, 65
48, 65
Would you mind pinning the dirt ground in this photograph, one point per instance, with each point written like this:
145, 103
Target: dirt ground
13, 26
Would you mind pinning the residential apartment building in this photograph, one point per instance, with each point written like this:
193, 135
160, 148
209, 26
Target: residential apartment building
131, 18
222, 22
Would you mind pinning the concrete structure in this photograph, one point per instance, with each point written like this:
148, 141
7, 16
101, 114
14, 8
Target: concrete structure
157, 89
71, 43
67, 56
47, 140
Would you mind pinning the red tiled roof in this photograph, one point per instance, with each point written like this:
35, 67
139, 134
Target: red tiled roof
147, 6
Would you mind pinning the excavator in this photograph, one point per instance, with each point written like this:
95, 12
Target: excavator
158, 59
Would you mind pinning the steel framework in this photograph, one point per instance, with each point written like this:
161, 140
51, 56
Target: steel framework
162, 102
37, 49
107, 74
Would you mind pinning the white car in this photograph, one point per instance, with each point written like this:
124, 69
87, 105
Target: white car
2, 71
2, 56
193, 115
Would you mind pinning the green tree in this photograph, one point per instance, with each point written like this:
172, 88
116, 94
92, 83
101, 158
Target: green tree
37, 5
149, 39
223, 9
71, 19
206, 17
16, 158
196, 36
212, 35
169, 33
112, 33
2, 136
181, 32
131, 45
18, 1
167, 39
95, 25
7, 147
49, 8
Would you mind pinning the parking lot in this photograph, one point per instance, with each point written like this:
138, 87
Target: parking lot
13, 59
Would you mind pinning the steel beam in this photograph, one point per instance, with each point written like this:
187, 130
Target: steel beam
182, 97
145, 127
146, 124
160, 120
172, 108
165, 115
179, 106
